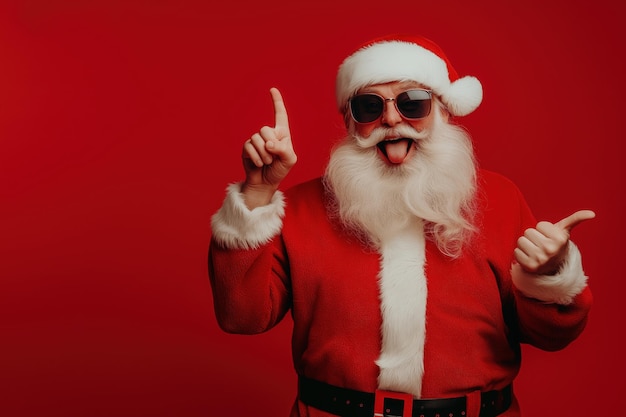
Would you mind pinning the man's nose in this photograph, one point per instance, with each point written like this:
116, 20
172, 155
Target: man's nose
391, 116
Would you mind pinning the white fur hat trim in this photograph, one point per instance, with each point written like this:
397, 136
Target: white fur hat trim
402, 60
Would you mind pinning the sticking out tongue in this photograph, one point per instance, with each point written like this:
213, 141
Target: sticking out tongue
395, 150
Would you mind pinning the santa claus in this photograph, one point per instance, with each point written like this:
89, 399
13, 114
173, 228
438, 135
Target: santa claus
412, 276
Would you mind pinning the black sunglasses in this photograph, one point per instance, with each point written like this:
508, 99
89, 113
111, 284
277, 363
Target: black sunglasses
412, 104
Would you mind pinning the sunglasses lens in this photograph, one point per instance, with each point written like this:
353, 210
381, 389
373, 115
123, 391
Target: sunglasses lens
366, 108
414, 104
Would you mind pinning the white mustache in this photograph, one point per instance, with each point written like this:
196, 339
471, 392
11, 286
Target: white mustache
381, 133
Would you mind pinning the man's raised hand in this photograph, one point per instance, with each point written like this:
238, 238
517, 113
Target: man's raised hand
542, 250
268, 156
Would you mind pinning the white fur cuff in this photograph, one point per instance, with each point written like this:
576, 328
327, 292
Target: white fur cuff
234, 226
560, 288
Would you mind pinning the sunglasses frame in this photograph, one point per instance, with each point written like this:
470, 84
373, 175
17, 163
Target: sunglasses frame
395, 102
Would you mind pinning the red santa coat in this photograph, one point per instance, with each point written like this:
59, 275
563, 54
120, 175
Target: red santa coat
404, 318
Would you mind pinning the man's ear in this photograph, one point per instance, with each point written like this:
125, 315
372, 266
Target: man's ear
445, 114
443, 110
347, 119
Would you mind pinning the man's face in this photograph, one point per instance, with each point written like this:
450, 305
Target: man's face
393, 147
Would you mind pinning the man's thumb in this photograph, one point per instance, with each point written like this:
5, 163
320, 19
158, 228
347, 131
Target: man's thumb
575, 219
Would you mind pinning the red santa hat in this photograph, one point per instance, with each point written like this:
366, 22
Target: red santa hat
407, 58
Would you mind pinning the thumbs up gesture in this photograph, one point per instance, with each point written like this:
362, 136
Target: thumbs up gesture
543, 249
268, 156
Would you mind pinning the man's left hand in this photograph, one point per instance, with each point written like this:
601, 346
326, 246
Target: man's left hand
543, 250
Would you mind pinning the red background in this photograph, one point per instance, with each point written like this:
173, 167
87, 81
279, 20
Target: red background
121, 124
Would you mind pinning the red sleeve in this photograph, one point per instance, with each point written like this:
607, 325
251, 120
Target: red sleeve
250, 287
552, 326
548, 326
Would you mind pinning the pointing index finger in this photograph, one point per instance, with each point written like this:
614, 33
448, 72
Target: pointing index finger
280, 112
573, 220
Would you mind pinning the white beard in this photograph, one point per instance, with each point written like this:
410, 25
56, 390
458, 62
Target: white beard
436, 185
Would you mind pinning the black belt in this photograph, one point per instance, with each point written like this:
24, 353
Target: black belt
351, 403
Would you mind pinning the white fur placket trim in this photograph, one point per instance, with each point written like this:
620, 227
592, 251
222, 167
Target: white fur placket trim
560, 288
403, 294
236, 227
